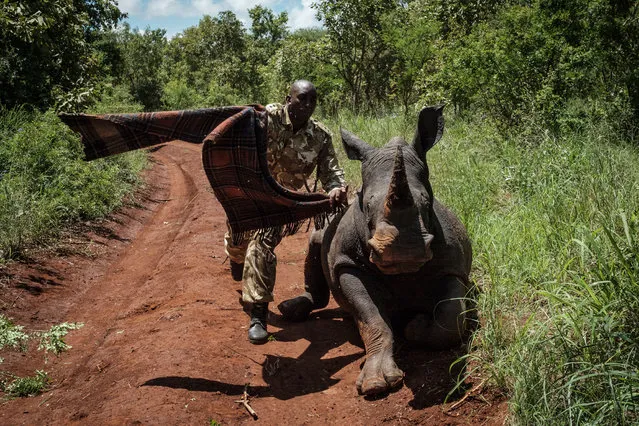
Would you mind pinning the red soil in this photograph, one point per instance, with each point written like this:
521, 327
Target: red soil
164, 340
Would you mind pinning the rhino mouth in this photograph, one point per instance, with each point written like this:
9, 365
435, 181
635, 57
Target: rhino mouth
400, 260
398, 268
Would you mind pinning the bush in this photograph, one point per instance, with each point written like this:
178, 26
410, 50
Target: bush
44, 183
178, 95
26, 386
115, 100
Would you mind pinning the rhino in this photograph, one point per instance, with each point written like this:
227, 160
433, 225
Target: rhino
397, 259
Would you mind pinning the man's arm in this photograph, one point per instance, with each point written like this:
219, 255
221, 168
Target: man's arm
329, 172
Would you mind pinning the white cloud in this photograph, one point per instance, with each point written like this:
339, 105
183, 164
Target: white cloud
191, 8
303, 17
244, 5
206, 7
157, 8
132, 7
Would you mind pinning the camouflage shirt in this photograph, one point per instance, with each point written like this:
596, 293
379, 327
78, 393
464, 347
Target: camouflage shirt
292, 156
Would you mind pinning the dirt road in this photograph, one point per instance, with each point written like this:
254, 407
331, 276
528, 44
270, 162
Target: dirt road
164, 340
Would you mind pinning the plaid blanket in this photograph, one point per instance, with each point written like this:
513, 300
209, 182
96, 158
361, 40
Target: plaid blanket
233, 155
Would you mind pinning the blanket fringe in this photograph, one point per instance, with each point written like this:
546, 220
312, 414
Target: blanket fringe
320, 220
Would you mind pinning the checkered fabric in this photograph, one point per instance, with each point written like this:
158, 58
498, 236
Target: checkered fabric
233, 155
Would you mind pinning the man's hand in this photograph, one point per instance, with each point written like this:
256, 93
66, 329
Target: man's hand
338, 196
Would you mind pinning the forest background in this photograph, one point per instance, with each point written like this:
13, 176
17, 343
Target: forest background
540, 157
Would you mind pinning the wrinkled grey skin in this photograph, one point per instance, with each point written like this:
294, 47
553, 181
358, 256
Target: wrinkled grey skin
397, 259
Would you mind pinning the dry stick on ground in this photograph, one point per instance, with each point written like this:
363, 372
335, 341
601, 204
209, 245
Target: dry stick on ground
245, 356
245, 402
469, 393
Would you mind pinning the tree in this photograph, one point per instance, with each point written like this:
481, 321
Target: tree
413, 37
267, 27
211, 55
267, 32
43, 61
301, 57
143, 57
357, 48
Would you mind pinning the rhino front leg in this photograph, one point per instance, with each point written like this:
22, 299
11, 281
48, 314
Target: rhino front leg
380, 373
444, 327
316, 293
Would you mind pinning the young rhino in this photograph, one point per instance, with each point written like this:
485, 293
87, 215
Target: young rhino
396, 259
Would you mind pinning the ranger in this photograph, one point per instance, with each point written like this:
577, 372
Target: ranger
297, 145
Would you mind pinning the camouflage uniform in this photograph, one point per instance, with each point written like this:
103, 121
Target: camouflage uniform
292, 157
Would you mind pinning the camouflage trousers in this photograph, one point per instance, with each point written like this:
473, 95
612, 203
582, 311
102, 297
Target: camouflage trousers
258, 255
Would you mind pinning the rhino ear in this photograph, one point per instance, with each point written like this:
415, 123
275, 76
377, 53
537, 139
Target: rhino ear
356, 149
430, 127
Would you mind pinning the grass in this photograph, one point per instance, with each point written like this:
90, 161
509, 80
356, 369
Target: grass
19, 387
14, 337
554, 221
45, 184
11, 335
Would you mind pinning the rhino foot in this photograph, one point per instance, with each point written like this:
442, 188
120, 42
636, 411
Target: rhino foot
380, 374
296, 309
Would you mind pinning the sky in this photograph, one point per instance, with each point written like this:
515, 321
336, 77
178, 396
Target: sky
176, 15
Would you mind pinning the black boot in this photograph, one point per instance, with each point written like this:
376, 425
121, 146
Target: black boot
237, 270
257, 333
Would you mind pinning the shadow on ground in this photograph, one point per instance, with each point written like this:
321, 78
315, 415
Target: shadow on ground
429, 375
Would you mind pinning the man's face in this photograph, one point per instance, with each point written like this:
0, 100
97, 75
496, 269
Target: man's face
301, 103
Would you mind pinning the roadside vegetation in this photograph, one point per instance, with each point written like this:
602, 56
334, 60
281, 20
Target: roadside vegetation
539, 159
14, 337
45, 184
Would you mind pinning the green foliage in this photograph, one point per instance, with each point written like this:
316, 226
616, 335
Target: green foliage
26, 386
178, 95
301, 58
42, 60
523, 62
11, 335
53, 340
143, 53
211, 59
44, 182
115, 99
357, 48
413, 39
267, 27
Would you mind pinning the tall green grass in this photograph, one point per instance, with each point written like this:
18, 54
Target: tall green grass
554, 222
44, 183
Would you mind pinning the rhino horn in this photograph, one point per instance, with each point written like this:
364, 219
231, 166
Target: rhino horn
399, 195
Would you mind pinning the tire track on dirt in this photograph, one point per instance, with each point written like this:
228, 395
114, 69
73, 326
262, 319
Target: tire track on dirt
116, 296
139, 262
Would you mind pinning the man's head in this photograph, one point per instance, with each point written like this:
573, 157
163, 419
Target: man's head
301, 102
